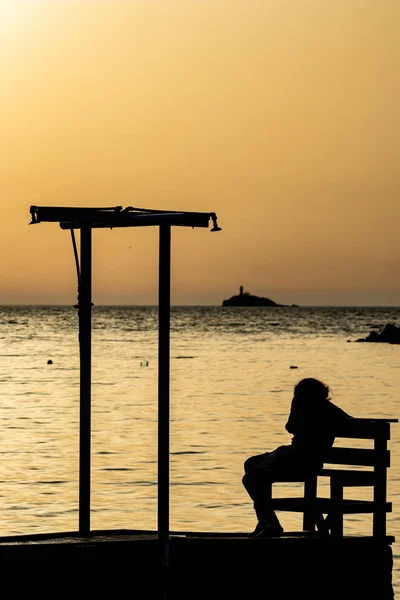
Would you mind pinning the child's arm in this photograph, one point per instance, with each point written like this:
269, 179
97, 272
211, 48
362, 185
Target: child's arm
295, 416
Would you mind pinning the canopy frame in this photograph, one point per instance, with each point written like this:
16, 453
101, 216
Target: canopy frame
85, 220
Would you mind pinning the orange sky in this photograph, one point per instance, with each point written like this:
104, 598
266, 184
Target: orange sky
281, 116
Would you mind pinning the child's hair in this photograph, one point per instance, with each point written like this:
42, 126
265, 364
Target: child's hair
313, 388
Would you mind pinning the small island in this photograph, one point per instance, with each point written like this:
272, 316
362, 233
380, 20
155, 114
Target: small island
246, 299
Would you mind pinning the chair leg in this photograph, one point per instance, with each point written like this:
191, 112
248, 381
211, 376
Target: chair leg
379, 523
309, 521
336, 514
310, 494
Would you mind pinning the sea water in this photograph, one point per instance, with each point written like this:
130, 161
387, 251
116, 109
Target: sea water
232, 376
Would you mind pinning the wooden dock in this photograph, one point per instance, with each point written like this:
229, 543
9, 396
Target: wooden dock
204, 565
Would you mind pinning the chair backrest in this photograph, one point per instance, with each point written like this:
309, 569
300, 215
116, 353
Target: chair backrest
377, 430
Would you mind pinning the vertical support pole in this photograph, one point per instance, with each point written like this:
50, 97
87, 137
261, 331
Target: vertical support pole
85, 342
164, 303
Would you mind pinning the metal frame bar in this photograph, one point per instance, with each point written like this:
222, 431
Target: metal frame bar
164, 387
85, 342
75, 218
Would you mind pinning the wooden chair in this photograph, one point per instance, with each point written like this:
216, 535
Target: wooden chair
342, 467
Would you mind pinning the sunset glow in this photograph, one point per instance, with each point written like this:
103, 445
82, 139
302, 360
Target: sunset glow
281, 117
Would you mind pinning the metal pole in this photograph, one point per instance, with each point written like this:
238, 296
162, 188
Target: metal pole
85, 339
163, 386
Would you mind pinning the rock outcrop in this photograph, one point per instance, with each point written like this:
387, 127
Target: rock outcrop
390, 334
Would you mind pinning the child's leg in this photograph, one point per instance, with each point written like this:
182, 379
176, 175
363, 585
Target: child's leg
258, 484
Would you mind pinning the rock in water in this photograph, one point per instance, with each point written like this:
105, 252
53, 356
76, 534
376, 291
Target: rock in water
390, 334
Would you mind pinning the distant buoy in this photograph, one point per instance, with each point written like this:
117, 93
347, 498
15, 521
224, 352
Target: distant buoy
49, 362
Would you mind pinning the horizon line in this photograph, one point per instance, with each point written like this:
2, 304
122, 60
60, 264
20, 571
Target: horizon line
67, 305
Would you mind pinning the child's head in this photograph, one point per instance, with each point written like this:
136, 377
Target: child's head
313, 388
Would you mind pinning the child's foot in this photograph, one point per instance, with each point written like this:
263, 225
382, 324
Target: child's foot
270, 531
264, 529
261, 525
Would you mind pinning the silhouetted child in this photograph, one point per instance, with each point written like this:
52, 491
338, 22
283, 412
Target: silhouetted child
312, 421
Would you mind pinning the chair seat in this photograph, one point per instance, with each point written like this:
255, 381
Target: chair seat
350, 478
326, 505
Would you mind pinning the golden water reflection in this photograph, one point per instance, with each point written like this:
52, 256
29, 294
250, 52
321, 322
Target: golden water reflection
227, 403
